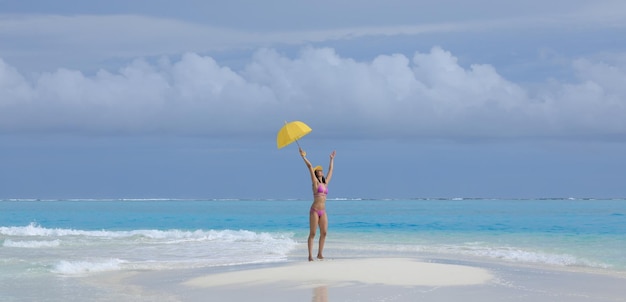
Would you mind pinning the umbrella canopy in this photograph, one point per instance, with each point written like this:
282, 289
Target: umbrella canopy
291, 132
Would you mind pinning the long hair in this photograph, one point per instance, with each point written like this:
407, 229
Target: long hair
321, 179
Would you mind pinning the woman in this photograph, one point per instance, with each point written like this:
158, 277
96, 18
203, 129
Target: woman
317, 214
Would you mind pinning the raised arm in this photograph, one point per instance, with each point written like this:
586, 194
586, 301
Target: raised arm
329, 175
308, 165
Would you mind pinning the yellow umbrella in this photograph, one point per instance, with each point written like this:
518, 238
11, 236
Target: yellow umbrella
291, 132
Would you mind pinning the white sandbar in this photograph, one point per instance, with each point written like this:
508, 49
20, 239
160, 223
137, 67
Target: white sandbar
385, 271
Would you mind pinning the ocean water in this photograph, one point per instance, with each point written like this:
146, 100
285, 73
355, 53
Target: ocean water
47, 246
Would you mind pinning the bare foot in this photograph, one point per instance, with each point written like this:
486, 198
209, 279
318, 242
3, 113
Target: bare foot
310, 258
320, 257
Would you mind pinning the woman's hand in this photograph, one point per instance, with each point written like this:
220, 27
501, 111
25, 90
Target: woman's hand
332, 155
302, 153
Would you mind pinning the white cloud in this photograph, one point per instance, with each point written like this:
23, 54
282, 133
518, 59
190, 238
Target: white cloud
428, 95
595, 105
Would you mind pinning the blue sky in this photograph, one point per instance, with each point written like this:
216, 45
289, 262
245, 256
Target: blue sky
146, 99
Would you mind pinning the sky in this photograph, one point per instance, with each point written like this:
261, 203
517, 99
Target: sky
420, 99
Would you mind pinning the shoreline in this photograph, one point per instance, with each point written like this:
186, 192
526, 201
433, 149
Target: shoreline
369, 279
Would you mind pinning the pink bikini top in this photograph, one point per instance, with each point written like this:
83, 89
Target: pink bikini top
322, 190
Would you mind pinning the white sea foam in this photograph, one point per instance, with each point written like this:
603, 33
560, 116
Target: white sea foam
506, 253
34, 230
165, 236
142, 249
83, 267
31, 243
516, 254
141, 236
530, 256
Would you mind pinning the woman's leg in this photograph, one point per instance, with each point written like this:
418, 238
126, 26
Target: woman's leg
323, 223
313, 222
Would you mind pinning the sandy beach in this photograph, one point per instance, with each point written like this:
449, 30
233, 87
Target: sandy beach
372, 279
392, 271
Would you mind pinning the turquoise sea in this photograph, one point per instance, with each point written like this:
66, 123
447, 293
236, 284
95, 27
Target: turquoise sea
46, 246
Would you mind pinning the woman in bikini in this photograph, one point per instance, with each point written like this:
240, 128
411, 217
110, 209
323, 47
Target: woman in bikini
317, 214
